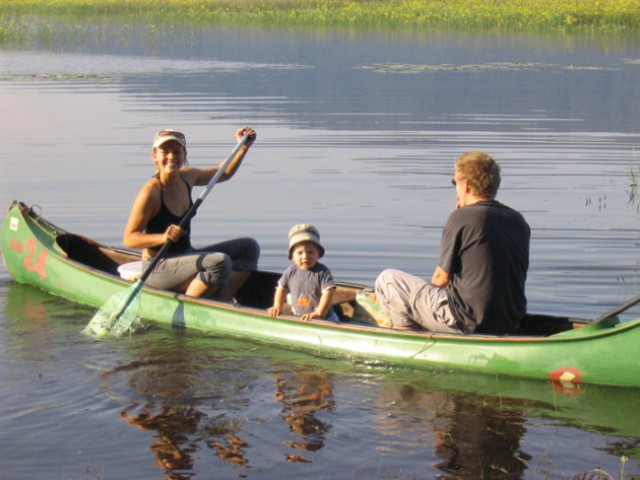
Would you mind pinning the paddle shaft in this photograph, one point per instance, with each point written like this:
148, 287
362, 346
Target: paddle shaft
634, 301
192, 210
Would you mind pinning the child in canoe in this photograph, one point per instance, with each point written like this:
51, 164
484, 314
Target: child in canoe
309, 283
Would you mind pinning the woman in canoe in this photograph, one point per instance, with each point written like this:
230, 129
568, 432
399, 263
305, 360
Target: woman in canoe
216, 270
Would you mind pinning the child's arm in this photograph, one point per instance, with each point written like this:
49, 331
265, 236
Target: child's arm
326, 300
278, 302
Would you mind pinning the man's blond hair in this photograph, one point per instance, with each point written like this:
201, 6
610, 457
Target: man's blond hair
481, 172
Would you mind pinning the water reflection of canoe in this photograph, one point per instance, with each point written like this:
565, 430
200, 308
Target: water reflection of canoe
80, 269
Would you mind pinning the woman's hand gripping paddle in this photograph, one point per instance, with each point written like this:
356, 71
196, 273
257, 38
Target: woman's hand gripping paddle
120, 311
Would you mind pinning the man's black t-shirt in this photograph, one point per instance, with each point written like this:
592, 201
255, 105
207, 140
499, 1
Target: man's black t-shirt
485, 249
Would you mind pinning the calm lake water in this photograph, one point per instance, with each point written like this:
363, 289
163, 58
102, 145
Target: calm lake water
357, 133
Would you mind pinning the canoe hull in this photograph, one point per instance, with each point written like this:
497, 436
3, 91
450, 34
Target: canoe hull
35, 252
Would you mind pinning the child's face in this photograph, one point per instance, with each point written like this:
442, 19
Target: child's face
305, 255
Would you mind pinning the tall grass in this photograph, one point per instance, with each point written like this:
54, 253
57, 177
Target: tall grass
602, 16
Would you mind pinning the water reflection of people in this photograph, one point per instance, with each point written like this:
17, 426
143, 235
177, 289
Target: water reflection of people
180, 423
473, 439
175, 429
175, 426
304, 394
481, 441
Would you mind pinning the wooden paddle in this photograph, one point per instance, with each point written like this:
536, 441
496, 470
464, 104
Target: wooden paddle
612, 313
120, 311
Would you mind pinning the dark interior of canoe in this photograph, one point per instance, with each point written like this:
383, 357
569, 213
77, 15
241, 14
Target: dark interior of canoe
258, 291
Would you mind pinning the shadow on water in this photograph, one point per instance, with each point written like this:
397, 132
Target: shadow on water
188, 397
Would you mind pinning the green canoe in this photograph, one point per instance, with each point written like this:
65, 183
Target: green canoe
573, 351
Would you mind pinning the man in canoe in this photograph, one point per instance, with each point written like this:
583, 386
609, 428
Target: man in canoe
479, 283
217, 270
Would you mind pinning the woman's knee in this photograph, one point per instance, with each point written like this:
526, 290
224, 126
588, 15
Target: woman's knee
214, 269
247, 260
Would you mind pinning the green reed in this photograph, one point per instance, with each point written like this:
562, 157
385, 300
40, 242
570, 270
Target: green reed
24, 19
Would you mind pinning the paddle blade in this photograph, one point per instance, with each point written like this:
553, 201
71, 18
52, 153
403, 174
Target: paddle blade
118, 315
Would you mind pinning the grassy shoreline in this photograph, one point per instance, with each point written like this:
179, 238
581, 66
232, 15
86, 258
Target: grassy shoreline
25, 20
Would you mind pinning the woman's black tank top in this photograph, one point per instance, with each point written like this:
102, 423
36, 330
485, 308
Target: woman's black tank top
164, 218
